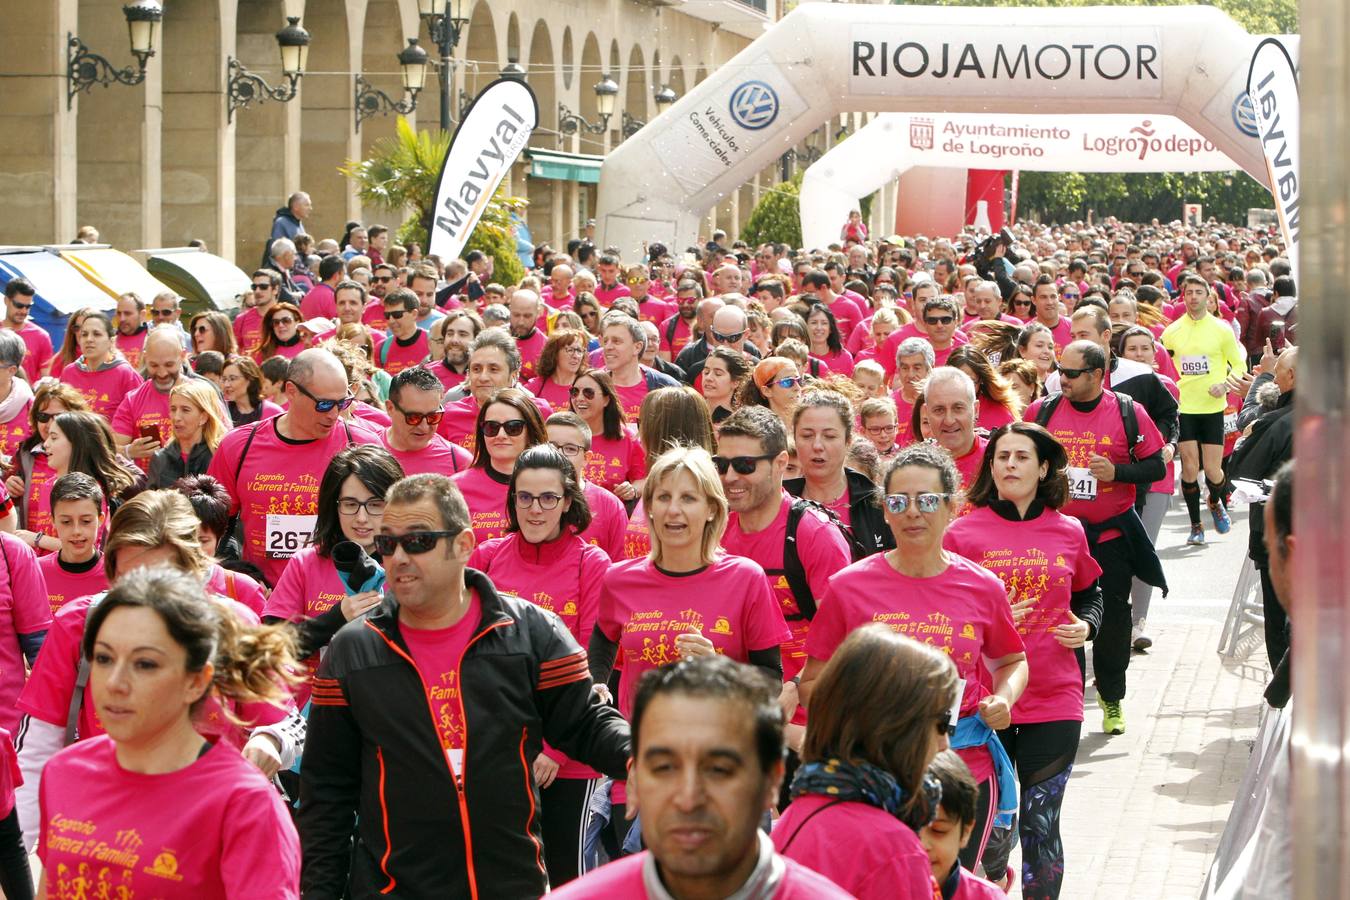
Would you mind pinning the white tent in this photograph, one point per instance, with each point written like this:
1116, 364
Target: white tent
824, 59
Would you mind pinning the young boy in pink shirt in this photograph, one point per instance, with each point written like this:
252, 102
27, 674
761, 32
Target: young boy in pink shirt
76, 570
951, 829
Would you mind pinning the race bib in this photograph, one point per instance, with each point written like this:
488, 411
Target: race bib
1082, 484
286, 536
1194, 365
1230, 423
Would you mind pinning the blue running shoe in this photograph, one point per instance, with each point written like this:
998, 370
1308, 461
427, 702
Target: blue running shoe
1222, 523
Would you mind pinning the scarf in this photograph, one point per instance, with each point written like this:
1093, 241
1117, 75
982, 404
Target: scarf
20, 394
865, 783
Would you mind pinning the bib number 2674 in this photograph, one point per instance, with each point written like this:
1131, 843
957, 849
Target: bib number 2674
288, 535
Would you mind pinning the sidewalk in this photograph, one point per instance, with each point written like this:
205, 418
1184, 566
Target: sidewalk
1144, 810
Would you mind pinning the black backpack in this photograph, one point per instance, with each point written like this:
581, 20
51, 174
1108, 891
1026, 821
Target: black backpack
1128, 416
792, 563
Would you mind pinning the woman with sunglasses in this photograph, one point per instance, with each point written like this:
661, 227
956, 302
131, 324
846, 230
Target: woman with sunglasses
311, 593
1022, 306
508, 424
101, 375
826, 344
544, 559
590, 311
928, 593
725, 373
650, 307
563, 357
616, 460
882, 712
776, 383
998, 403
241, 385
281, 333
1041, 555
822, 430
211, 331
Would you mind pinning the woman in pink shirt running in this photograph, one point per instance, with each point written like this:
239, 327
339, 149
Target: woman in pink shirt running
544, 560
176, 814
508, 424
881, 710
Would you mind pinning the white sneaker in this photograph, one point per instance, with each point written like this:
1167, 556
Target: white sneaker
1138, 638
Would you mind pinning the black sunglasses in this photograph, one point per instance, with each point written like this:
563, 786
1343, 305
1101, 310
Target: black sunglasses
1074, 373
163, 313
512, 427
588, 393
940, 320
383, 279
45, 417
396, 314
324, 406
727, 338
18, 305
413, 543
744, 465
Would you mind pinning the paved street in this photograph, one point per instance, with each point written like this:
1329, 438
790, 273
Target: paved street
1144, 810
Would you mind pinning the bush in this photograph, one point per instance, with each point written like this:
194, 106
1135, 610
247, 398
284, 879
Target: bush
777, 217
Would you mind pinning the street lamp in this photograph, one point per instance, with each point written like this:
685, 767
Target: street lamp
85, 69
664, 97
245, 87
606, 95
445, 25
513, 70
370, 100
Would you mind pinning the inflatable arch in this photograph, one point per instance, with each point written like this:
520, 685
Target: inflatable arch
823, 59
893, 143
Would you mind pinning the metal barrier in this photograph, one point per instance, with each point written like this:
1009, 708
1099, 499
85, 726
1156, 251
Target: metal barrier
1245, 625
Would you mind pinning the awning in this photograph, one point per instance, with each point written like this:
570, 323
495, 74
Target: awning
113, 271
559, 166
204, 281
61, 288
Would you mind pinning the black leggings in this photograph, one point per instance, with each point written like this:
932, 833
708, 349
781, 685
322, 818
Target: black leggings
16, 878
985, 811
566, 804
1043, 753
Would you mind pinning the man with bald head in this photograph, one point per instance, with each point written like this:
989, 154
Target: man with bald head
726, 279
272, 469
727, 329
147, 407
525, 308
558, 292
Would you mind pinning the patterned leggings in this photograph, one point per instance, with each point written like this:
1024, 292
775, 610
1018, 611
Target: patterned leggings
1043, 754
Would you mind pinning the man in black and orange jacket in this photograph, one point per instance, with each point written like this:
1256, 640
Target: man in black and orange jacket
431, 821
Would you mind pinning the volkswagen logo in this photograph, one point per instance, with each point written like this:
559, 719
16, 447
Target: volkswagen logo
1244, 116
754, 105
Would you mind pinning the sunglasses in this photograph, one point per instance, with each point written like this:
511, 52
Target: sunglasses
939, 320
588, 393
637, 281
262, 287
18, 305
926, 502
1021, 303
163, 313
414, 543
383, 279
350, 506
201, 329
789, 383
546, 500
431, 418
1069, 295
396, 314
744, 465
512, 427
45, 417
325, 406
728, 338
1073, 373
283, 320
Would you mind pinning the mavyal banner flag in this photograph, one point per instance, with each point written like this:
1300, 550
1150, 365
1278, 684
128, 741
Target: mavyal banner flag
1272, 85
489, 138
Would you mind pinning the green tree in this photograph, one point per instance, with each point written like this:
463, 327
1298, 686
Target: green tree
400, 175
777, 216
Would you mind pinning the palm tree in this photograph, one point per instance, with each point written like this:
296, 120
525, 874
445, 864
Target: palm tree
400, 175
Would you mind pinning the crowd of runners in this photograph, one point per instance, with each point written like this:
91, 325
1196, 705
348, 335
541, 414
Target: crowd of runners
727, 571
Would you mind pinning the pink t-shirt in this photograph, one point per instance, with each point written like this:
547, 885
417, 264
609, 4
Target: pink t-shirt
248, 330
973, 887
611, 463
684, 333
992, 415
841, 362
395, 356
16, 430
637, 536
457, 425
146, 406
373, 315
38, 515
48, 692
319, 303
968, 464
215, 829
607, 295
656, 311
904, 420
863, 849
102, 390
449, 378
564, 301
23, 610
237, 586
1062, 333
484, 490
1046, 559
438, 653
644, 609
372, 417
132, 345
623, 880
609, 522
310, 586
277, 488
630, 399
530, 348
1099, 432
963, 612
887, 354
1168, 483
38, 350
557, 395
439, 456
847, 313
64, 585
